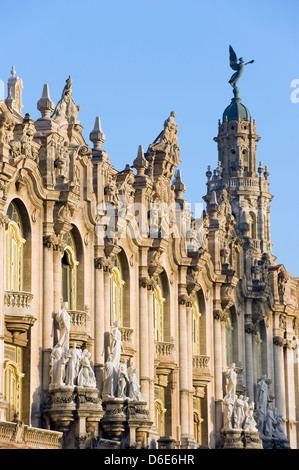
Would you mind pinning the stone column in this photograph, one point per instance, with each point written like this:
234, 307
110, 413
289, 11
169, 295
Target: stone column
99, 322
107, 306
48, 308
290, 393
218, 371
279, 373
57, 255
3, 404
144, 338
190, 368
152, 354
183, 364
249, 360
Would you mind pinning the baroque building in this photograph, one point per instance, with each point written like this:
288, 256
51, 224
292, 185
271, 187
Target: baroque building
126, 322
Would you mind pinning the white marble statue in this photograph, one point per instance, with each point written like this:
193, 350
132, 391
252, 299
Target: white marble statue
262, 402
228, 409
250, 423
109, 378
123, 379
231, 382
72, 370
134, 387
86, 375
57, 366
64, 321
239, 415
116, 345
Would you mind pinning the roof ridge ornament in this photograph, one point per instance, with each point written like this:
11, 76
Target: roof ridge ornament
66, 111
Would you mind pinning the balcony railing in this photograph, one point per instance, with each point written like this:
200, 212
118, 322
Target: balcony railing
23, 436
200, 364
164, 350
17, 302
79, 329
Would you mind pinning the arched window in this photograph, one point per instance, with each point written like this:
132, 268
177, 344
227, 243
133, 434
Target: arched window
195, 329
116, 293
252, 225
69, 265
160, 409
158, 310
229, 340
14, 242
13, 376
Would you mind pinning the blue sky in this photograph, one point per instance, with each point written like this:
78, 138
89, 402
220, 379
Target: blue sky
132, 62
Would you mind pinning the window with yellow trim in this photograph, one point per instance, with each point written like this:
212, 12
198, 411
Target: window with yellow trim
158, 310
13, 376
195, 329
14, 243
69, 265
116, 293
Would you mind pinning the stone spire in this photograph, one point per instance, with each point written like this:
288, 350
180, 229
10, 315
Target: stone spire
140, 162
45, 105
97, 136
15, 86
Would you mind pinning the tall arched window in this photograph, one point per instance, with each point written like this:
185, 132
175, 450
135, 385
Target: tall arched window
160, 409
14, 250
229, 340
116, 293
13, 376
158, 310
195, 329
252, 225
69, 265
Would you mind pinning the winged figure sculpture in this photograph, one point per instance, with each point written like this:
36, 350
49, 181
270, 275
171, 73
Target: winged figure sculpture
236, 64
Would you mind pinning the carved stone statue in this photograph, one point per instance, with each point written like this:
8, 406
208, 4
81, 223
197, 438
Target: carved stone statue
250, 423
116, 345
262, 402
270, 422
239, 415
72, 370
278, 429
66, 110
231, 382
86, 375
64, 321
123, 379
228, 408
57, 366
109, 378
235, 65
134, 387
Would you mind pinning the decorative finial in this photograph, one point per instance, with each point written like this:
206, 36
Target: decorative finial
45, 105
140, 162
235, 65
13, 71
97, 136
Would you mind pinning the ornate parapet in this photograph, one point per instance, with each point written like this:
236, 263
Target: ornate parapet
18, 435
126, 337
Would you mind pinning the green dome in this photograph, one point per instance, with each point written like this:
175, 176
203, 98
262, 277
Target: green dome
236, 110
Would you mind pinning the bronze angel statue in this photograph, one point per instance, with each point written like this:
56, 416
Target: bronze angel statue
235, 65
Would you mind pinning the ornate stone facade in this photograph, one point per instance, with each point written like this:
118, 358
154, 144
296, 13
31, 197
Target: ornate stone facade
120, 314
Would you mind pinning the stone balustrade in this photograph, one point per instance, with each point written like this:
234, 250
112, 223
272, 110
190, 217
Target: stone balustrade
23, 436
200, 364
17, 302
164, 349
